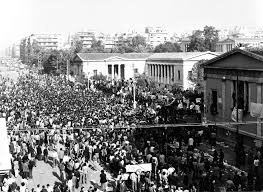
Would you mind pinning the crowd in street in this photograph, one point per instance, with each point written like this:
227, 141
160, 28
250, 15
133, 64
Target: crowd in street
54, 115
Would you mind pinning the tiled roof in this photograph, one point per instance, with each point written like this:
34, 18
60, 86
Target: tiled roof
103, 56
178, 55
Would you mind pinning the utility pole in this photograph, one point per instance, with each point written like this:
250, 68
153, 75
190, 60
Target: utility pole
237, 147
237, 131
134, 92
67, 70
57, 64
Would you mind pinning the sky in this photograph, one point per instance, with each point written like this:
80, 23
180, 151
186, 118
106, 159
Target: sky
20, 18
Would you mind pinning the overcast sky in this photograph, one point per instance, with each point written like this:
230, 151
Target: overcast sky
23, 17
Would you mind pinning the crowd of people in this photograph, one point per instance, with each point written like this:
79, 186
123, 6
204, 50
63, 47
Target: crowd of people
78, 128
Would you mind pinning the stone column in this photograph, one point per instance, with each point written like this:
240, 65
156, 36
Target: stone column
167, 76
205, 98
223, 98
154, 72
158, 72
151, 71
171, 74
119, 71
231, 92
166, 73
161, 79
112, 71
148, 69
259, 100
175, 75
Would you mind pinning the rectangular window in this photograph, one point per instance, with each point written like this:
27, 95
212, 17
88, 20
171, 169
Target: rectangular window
241, 91
214, 102
95, 72
136, 70
110, 69
179, 75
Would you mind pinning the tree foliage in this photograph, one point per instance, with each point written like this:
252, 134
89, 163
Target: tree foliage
197, 75
96, 47
136, 44
50, 66
204, 40
257, 50
167, 47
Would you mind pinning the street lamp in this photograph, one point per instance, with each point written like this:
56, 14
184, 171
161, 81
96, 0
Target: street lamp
134, 92
88, 80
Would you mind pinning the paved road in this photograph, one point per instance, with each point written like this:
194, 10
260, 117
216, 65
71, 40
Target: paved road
44, 174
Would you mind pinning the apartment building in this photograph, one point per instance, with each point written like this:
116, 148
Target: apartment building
156, 36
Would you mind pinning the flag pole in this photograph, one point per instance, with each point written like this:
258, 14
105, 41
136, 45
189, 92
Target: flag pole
237, 131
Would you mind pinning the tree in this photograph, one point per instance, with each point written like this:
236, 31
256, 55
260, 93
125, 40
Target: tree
123, 48
211, 37
142, 81
197, 42
204, 40
138, 43
167, 47
256, 50
197, 75
76, 46
99, 77
96, 47
50, 66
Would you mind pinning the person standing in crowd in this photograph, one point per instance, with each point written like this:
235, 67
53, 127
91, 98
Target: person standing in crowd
31, 165
45, 153
61, 155
103, 180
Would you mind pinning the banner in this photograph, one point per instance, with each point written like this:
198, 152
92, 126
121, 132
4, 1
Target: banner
144, 167
256, 110
234, 115
5, 160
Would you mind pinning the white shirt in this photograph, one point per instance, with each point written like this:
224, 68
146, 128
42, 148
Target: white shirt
50, 189
70, 184
191, 141
38, 189
256, 162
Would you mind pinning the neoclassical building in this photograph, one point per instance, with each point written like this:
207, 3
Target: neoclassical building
113, 65
168, 69
235, 80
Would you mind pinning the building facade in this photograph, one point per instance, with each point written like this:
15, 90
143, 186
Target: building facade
112, 65
156, 36
86, 38
47, 41
168, 69
184, 44
231, 43
233, 81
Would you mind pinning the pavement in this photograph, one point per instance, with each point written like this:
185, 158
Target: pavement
44, 174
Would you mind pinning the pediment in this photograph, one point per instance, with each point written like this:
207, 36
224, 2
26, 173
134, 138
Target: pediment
242, 60
204, 56
77, 59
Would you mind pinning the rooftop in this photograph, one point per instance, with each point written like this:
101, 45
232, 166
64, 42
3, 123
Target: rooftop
103, 56
237, 50
179, 55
